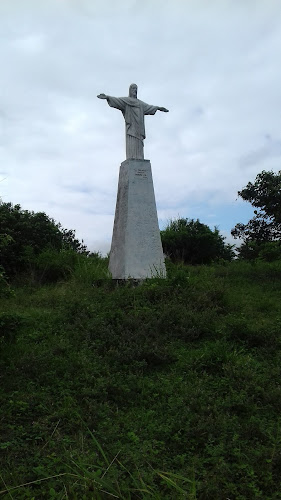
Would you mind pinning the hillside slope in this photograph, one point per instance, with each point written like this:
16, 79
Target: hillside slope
166, 390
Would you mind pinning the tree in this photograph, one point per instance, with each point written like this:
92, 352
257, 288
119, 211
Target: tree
29, 233
261, 236
192, 242
265, 195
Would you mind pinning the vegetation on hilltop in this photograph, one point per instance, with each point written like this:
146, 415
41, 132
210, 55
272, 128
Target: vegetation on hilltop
191, 242
24, 235
167, 390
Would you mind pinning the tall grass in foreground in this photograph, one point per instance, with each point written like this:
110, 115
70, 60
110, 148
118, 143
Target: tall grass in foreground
104, 387
93, 482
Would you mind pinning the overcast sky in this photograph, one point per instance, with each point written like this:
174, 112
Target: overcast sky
215, 64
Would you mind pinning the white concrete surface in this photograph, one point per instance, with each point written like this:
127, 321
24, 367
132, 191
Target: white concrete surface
136, 249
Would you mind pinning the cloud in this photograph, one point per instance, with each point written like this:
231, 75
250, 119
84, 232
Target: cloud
270, 150
214, 65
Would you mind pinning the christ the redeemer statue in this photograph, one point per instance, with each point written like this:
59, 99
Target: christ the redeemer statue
133, 111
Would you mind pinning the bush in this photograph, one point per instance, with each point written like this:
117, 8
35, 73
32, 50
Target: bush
26, 234
51, 266
9, 326
268, 251
191, 242
5, 289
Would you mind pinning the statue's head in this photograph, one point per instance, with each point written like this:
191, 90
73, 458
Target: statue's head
133, 90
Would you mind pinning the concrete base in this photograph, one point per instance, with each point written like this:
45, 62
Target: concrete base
136, 249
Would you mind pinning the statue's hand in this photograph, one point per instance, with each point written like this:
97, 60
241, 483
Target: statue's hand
102, 96
164, 109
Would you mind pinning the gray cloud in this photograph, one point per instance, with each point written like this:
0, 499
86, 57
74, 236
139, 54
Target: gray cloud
270, 150
214, 65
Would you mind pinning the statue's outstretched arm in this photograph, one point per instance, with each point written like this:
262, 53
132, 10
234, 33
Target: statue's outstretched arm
114, 102
151, 110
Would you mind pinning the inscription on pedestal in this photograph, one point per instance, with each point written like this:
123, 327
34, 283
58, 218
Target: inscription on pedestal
141, 172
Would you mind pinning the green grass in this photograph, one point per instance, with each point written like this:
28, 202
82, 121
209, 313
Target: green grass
167, 390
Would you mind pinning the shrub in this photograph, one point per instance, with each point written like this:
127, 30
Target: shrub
191, 242
9, 326
28, 233
5, 289
268, 251
51, 266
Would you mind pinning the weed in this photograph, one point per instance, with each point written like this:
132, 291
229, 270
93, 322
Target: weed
104, 387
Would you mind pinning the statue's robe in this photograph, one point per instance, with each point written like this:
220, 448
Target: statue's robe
133, 111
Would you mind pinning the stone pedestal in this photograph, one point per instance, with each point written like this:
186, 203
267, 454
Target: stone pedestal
136, 249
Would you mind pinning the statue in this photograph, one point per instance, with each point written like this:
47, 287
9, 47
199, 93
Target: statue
133, 111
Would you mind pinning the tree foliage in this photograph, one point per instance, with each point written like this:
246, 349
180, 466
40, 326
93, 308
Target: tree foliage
24, 234
191, 242
261, 236
265, 195
268, 251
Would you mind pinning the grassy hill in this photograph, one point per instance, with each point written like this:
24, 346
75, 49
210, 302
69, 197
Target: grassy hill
167, 390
